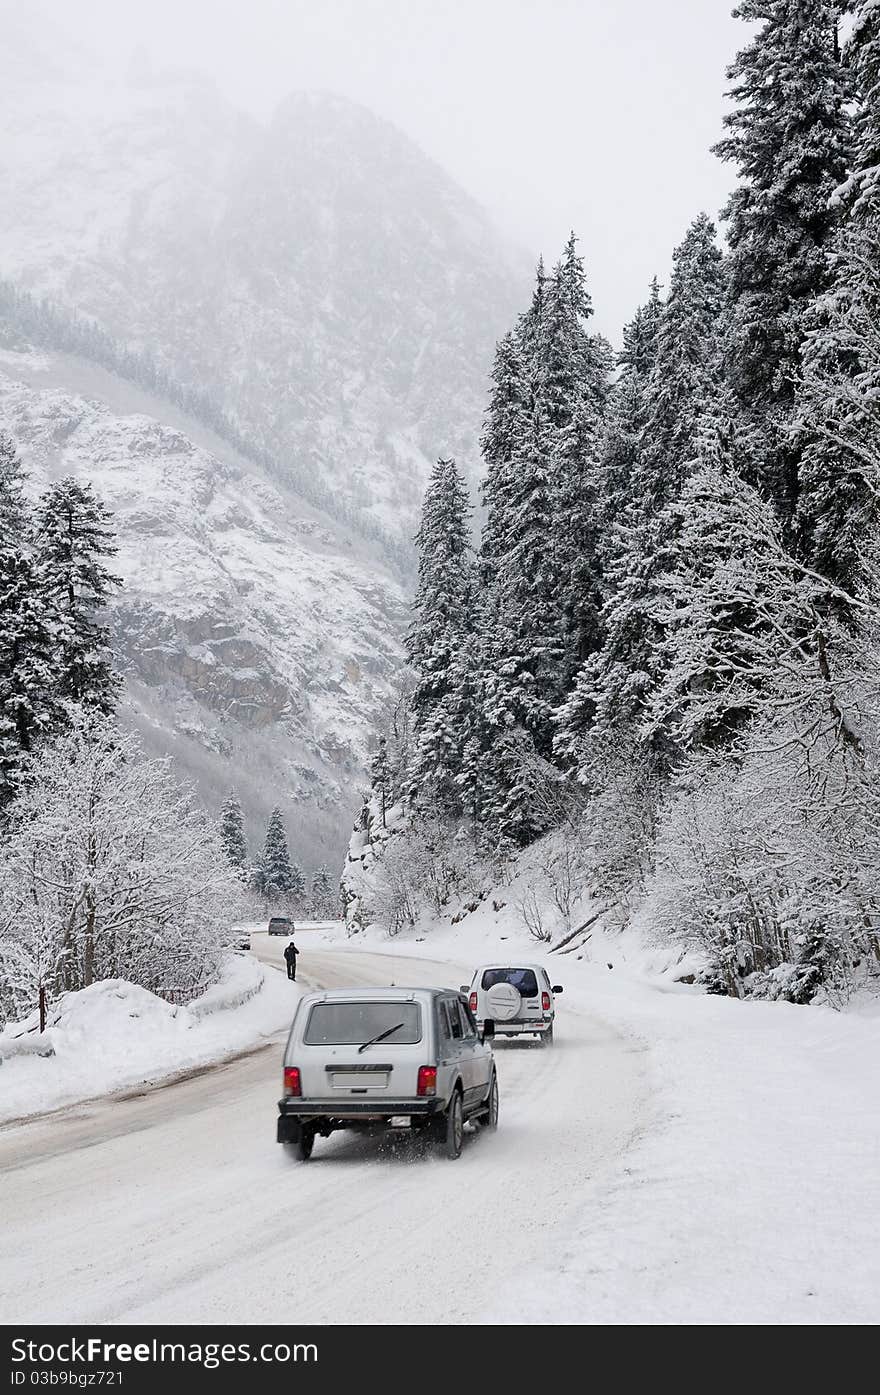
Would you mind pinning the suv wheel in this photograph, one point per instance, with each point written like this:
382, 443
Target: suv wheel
546, 1038
301, 1147
454, 1130
490, 1118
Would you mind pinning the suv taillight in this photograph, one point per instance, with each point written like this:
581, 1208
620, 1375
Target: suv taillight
545, 1002
473, 1002
427, 1084
292, 1083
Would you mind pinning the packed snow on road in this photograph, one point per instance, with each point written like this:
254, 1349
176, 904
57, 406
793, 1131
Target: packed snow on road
657, 1164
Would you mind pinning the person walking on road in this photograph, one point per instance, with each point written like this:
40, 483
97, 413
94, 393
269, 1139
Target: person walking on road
290, 953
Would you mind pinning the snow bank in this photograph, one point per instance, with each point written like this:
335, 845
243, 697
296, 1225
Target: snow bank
115, 1035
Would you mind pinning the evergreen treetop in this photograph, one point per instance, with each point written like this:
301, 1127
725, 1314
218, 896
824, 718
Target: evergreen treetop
232, 834
73, 538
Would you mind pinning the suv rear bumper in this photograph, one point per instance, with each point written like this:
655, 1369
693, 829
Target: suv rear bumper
514, 1029
293, 1108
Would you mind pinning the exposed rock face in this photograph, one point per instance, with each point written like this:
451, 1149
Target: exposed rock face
259, 641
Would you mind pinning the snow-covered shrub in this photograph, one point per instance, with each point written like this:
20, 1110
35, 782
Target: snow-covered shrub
109, 870
405, 864
769, 861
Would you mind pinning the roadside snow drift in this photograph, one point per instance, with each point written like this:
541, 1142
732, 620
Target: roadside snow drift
115, 1035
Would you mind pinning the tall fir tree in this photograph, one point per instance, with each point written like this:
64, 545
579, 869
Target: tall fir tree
539, 545
232, 834
325, 897
838, 426
14, 513
622, 435
506, 422
613, 688
575, 376
788, 134
275, 876
720, 530
29, 672
380, 778
73, 539
443, 619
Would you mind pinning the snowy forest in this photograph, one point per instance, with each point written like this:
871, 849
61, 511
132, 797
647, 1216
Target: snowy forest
659, 660
108, 866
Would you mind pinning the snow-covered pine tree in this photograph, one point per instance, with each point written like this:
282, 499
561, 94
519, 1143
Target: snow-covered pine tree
29, 688
274, 877
73, 539
687, 371
539, 551
788, 135
506, 422
380, 778
613, 689
325, 897
621, 501
14, 514
298, 886
574, 373
529, 638
625, 421
443, 618
838, 426
529, 327
728, 593
232, 835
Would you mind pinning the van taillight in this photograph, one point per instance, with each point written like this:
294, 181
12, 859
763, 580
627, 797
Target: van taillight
545, 1001
473, 1002
292, 1084
427, 1084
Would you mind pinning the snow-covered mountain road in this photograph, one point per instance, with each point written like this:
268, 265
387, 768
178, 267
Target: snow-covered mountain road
177, 1204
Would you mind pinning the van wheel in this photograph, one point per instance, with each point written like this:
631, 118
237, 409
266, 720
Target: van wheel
301, 1148
454, 1130
490, 1118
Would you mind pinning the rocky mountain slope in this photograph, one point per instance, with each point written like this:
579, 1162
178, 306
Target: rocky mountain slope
259, 640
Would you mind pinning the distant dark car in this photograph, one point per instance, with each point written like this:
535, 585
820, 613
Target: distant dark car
280, 925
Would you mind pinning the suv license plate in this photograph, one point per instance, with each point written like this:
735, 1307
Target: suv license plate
400, 1121
358, 1080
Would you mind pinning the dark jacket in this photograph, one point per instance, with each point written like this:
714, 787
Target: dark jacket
291, 952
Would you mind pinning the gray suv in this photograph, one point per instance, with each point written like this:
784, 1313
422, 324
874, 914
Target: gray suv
380, 1058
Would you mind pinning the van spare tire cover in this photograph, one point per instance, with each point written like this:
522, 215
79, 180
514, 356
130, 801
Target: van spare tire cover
503, 1002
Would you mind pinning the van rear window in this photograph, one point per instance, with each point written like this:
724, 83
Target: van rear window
351, 1024
523, 979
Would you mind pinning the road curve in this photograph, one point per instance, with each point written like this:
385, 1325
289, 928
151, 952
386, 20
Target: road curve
176, 1205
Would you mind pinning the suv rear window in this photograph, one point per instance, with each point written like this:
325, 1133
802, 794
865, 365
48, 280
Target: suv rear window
523, 979
351, 1024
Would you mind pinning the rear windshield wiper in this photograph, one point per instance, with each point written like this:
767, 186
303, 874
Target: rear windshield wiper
380, 1037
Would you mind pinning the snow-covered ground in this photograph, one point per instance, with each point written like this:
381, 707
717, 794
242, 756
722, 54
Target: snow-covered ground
748, 1190
115, 1036
674, 1158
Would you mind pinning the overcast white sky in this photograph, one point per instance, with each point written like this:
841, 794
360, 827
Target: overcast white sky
591, 114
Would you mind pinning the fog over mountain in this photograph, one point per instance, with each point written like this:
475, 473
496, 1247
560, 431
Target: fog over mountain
259, 336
